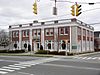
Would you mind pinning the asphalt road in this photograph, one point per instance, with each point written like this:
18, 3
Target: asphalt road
14, 65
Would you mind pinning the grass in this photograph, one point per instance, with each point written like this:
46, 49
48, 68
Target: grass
34, 55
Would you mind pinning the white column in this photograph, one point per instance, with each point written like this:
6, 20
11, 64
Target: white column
81, 39
42, 38
56, 38
93, 41
89, 41
70, 39
20, 39
31, 38
86, 42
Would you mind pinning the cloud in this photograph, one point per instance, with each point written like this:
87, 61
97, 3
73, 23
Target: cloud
20, 11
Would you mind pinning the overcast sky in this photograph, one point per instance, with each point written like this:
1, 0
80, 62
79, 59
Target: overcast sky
20, 11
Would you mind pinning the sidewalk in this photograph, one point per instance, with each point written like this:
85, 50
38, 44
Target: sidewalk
44, 55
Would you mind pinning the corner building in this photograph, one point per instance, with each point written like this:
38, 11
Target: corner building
70, 35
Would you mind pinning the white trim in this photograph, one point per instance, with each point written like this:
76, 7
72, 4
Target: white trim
70, 39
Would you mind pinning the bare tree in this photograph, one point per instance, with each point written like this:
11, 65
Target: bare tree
4, 38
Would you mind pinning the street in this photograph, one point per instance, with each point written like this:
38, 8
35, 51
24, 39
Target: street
25, 65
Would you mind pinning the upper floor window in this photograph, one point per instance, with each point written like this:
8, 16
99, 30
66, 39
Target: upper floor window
91, 34
36, 32
84, 32
25, 33
49, 32
79, 31
87, 33
15, 33
63, 31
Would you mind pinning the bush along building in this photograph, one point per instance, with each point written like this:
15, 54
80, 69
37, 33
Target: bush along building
69, 35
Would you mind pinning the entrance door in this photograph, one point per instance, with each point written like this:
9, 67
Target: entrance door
38, 45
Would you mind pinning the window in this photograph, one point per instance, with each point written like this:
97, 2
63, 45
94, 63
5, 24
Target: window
27, 33
38, 33
63, 31
79, 31
34, 33
17, 33
24, 33
14, 34
87, 33
49, 44
49, 32
62, 45
66, 30
84, 32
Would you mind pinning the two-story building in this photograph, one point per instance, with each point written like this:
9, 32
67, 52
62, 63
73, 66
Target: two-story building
70, 35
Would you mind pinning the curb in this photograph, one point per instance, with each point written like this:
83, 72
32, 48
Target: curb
87, 54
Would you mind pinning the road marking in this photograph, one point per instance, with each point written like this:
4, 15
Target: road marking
9, 60
26, 65
84, 57
89, 57
11, 68
17, 66
1, 72
6, 70
75, 67
94, 57
25, 73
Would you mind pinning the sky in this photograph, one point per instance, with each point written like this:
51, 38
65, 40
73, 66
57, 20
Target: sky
20, 11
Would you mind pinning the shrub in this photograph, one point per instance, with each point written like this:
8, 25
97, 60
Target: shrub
3, 51
70, 54
42, 52
62, 53
54, 52
16, 51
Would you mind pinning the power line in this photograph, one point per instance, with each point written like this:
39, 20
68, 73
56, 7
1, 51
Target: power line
94, 23
69, 14
90, 9
91, 3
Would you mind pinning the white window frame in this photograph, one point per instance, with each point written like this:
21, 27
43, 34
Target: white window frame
27, 32
35, 35
17, 33
79, 31
46, 30
51, 30
60, 45
14, 34
64, 31
23, 33
46, 43
38, 31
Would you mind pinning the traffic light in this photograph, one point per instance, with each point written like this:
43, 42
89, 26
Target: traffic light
35, 8
73, 10
78, 9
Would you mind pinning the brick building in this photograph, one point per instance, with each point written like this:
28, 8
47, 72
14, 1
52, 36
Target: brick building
70, 35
